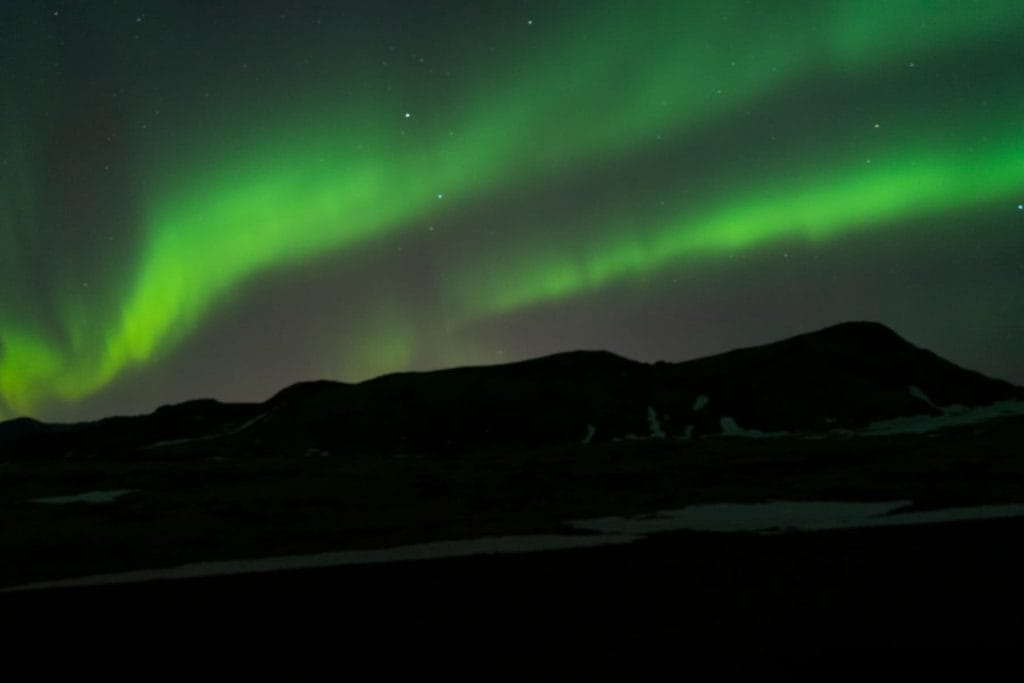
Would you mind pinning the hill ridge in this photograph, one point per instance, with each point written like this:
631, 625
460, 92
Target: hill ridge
845, 376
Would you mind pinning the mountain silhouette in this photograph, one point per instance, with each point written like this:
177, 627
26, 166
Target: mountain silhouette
842, 377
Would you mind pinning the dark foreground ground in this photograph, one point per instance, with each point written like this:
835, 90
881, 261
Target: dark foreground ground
191, 508
824, 603
922, 597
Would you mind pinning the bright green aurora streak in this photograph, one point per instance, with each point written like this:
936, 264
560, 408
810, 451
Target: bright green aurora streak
596, 87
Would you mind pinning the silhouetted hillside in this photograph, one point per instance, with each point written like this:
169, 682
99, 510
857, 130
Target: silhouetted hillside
842, 377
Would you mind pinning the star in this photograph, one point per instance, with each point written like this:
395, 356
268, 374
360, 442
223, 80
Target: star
440, 195
408, 115
1020, 207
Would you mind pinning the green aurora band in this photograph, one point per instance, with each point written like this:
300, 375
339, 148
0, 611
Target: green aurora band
921, 180
598, 86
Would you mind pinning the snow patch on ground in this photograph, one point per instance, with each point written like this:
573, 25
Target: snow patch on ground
952, 417
918, 393
591, 431
701, 403
208, 437
776, 516
491, 545
731, 428
770, 517
655, 425
93, 497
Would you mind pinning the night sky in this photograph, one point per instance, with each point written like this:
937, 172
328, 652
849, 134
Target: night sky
222, 198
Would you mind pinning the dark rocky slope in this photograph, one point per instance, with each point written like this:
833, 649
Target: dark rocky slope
845, 376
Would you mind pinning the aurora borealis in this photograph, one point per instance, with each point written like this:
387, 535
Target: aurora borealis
219, 199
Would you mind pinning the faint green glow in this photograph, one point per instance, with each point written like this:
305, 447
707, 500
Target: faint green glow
386, 342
